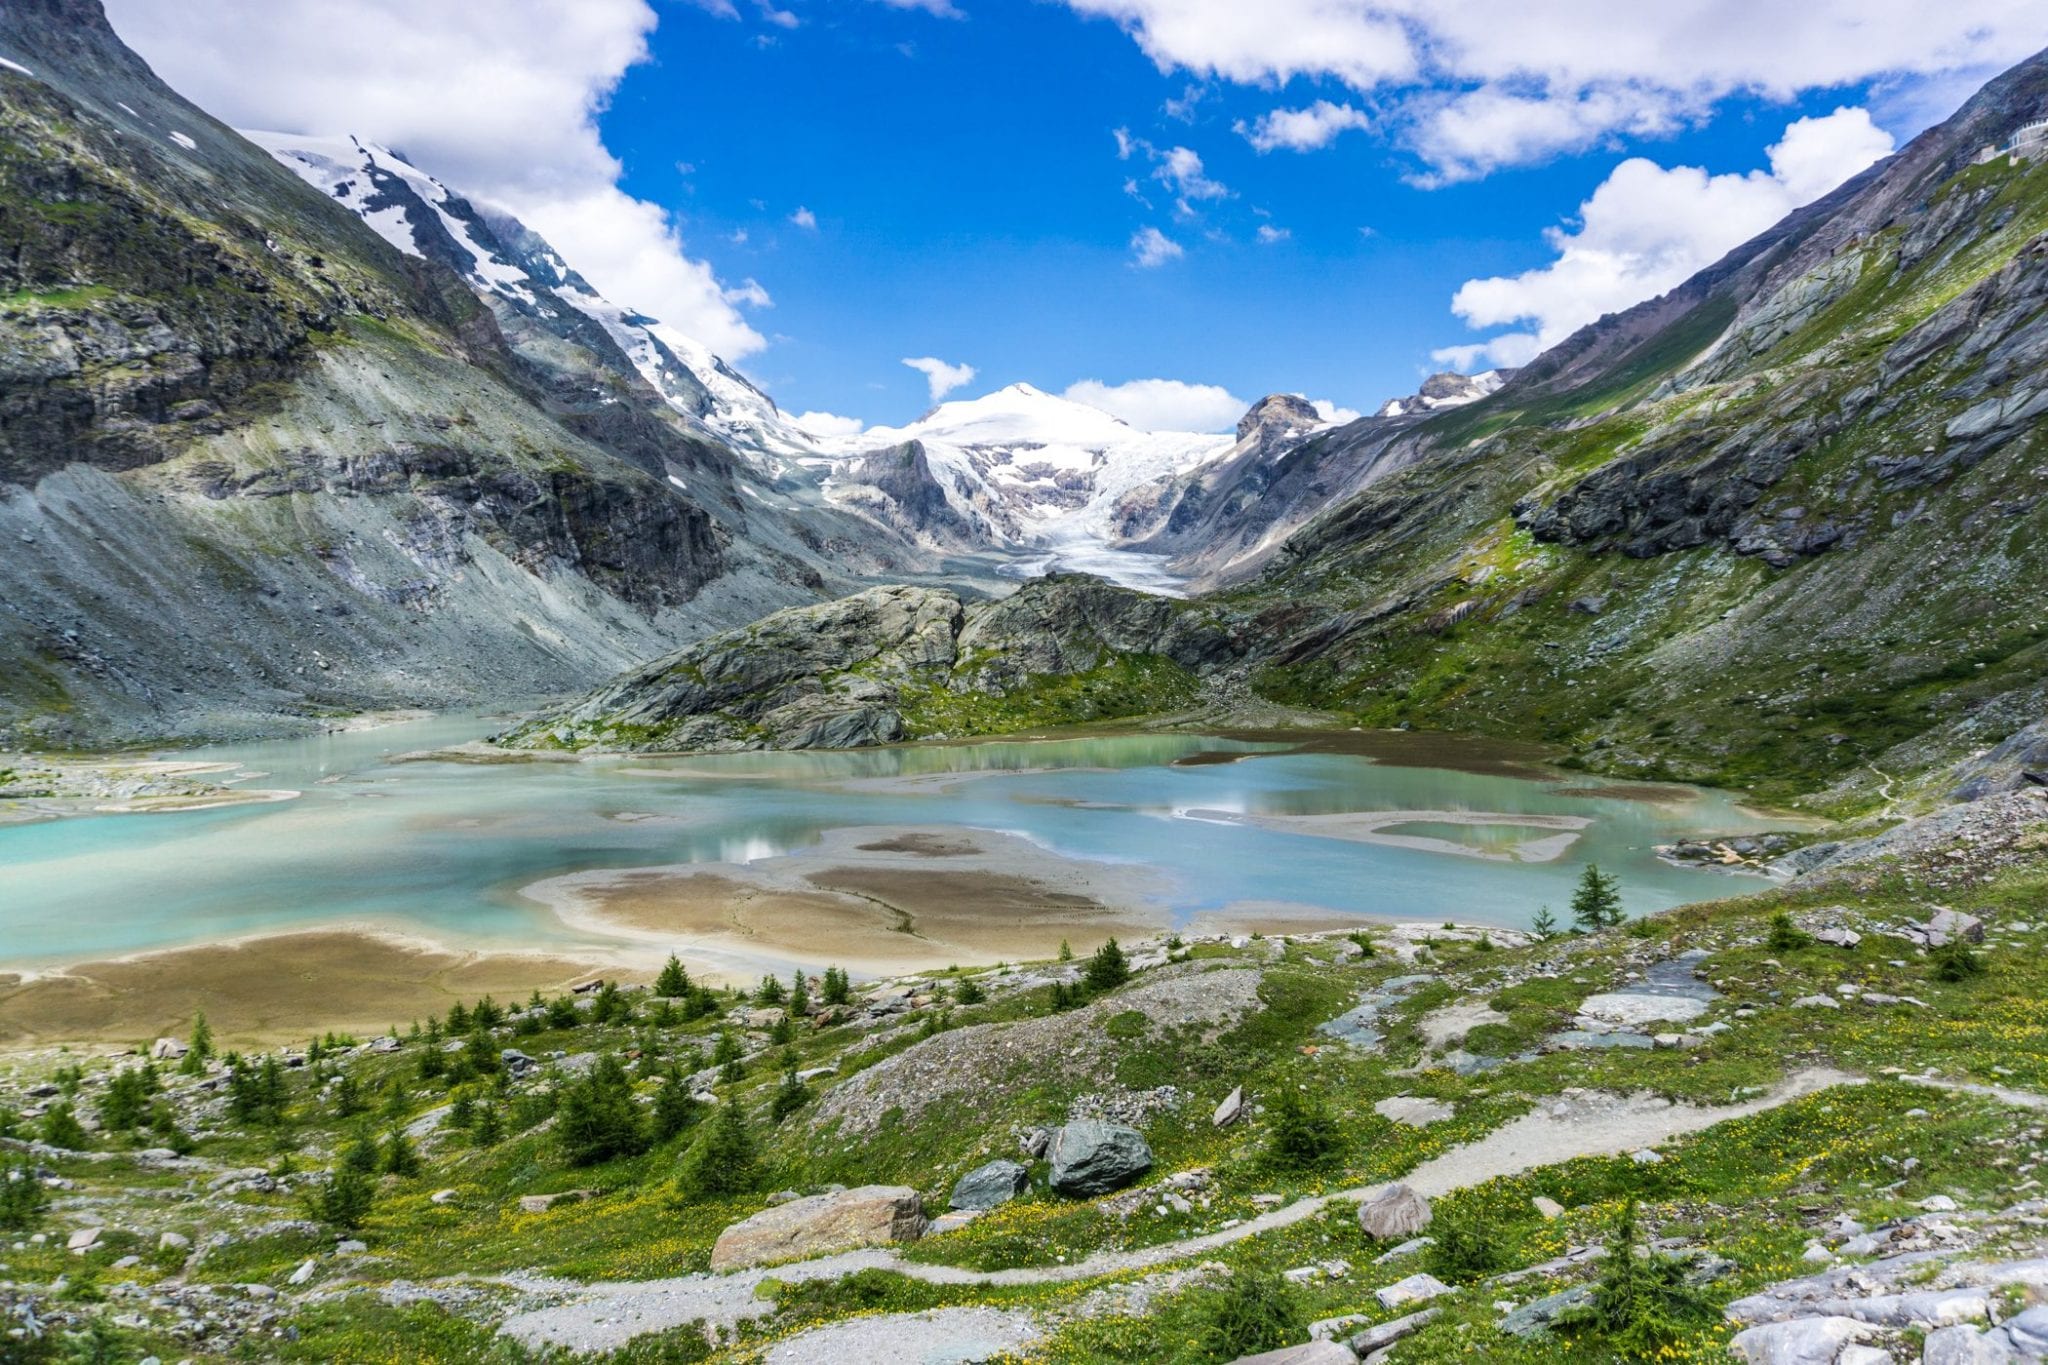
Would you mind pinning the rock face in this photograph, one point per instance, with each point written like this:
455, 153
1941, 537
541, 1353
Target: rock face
872, 1215
1090, 1157
985, 1187
1394, 1214
255, 462
900, 662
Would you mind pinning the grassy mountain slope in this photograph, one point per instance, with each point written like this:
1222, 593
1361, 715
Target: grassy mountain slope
1781, 529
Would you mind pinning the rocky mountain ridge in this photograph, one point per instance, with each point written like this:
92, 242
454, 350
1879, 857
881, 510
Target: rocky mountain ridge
901, 663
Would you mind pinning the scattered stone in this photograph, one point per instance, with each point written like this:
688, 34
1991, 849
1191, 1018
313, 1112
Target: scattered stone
1949, 924
174, 1241
1329, 1329
441, 1197
1816, 1002
1090, 1157
872, 1215
1230, 1110
1407, 1248
1937, 1203
984, 1187
541, 1203
1033, 1142
1310, 1353
1385, 1334
351, 1247
1533, 1318
952, 1221
1547, 1206
1413, 1110
1395, 1214
1837, 938
302, 1274
1418, 1288
85, 1239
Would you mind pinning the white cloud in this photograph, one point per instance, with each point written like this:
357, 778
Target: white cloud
943, 9
1268, 234
1163, 404
498, 100
804, 219
1271, 41
1181, 169
1151, 247
941, 377
1649, 227
750, 293
829, 424
1330, 412
1302, 130
1476, 84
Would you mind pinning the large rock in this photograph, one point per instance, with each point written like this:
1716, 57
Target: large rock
984, 1187
1308, 1353
1090, 1157
1395, 1214
1802, 1341
1962, 1345
872, 1215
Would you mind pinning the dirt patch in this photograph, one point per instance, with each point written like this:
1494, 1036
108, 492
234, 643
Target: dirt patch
267, 989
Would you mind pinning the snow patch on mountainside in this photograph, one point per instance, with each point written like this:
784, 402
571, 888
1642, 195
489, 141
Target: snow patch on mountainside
1043, 473
1446, 390
497, 254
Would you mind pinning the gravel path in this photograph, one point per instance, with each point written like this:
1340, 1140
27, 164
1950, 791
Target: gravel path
943, 1336
605, 1316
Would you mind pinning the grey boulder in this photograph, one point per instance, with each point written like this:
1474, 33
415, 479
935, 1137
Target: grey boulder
1395, 1214
984, 1187
1090, 1157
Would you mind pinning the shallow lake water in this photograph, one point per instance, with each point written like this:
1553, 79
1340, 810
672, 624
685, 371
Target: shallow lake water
442, 849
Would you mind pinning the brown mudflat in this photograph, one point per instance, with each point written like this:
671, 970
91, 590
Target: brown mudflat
270, 989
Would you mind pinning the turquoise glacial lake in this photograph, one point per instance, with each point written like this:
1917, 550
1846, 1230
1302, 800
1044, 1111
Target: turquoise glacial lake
442, 849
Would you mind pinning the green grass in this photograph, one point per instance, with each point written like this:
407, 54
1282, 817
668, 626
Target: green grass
1130, 685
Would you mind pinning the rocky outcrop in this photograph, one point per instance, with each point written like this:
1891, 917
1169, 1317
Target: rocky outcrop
872, 1215
888, 663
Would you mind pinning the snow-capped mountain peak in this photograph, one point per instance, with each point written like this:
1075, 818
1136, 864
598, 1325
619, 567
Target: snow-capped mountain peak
1447, 390
507, 261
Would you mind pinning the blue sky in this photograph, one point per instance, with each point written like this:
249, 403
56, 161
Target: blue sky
970, 204
974, 175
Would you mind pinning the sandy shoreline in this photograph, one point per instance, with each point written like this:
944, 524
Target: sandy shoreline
874, 899
1372, 826
58, 788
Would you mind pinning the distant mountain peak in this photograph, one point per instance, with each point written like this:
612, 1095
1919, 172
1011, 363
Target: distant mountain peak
1446, 389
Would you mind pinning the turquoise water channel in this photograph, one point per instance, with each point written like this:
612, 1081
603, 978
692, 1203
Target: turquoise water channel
442, 849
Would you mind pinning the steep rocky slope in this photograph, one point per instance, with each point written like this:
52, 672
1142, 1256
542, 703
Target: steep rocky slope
905, 663
1222, 521
1782, 527
255, 463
